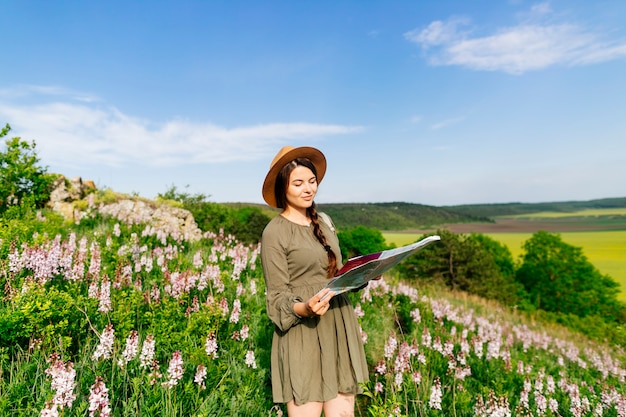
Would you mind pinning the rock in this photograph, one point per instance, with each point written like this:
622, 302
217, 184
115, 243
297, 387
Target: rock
174, 220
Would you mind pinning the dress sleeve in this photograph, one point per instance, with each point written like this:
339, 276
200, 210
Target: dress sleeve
280, 299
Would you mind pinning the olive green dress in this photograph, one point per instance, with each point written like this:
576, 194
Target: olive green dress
313, 359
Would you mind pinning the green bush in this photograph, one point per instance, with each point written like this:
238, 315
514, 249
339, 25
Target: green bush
20, 173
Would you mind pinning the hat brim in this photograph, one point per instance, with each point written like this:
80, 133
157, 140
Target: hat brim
314, 155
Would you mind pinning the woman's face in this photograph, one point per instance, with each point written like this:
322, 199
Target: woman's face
302, 188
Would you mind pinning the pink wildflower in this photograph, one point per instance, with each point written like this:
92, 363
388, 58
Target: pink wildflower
99, 399
104, 296
211, 346
200, 376
154, 374
358, 311
105, 348
415, 315
245, 331
131, 348
63, 381
250, 360
49, 410
381, 368
378, 388
390, 346
147, 351
234, 316
175, 370
417, 377
434, 401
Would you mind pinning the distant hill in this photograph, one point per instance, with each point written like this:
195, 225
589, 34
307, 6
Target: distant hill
394, 216
510, 209
398, 216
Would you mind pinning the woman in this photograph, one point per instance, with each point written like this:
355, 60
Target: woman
317, 351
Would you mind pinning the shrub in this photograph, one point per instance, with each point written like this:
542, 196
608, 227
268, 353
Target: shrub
20, 173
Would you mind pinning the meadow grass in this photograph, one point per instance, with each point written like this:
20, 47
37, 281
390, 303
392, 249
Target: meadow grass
606, 250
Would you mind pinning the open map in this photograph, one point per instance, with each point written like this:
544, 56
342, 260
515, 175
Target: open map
358, 271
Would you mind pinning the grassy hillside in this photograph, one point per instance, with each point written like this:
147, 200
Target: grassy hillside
394, 216
137, 321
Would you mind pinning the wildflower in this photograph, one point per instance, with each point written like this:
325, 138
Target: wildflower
437, 346
147, 351
175, 370
63, 382
197, 259
553, 405
378, 388
381, 368
224, 307
99, 399
390, 346
415, 315
426, 339
200, 376
363, 336
154, 374
417, 377
105, 348
245, 331
49, 410
234, 316
495, 407
398, 379
104, 296
250, 361
211, 346
253, 286
434, 401
358, 311
95, 263
131, 348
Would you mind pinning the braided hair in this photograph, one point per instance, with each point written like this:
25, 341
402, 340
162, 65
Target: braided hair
280, 193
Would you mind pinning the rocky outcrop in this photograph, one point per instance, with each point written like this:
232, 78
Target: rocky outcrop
174, 220
65, 192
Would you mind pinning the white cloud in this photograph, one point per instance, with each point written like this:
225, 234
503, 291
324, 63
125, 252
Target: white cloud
530, 45
447, 122
75, 132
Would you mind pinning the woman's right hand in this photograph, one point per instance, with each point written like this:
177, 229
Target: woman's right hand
317, 305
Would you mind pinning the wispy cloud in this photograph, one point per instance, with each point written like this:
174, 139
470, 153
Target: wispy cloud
535, 43
416, 119
74, 132
446, 123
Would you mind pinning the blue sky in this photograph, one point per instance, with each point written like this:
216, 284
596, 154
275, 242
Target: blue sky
432, 102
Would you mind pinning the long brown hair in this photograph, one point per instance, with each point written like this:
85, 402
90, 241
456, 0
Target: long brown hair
280, 193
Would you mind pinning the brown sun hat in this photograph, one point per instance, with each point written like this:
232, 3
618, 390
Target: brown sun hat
282, 158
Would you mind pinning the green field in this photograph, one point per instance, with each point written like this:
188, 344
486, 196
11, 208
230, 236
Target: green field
606, 250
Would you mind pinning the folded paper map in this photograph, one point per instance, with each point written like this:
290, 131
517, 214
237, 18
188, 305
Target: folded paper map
358, 271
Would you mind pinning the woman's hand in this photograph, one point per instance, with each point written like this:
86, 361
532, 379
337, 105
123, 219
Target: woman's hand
317, 305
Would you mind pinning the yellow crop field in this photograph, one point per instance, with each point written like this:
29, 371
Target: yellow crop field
606, 250
580, 213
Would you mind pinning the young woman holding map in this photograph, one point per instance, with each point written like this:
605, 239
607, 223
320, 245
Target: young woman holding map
317, 357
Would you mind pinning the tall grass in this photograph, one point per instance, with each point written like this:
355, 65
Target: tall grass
105, 318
